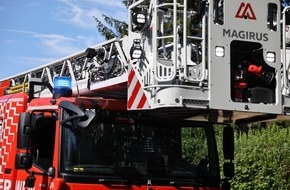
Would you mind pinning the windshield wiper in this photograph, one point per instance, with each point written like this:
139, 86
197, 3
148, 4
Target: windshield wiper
192, 183
102, 169
91, 168
114, 181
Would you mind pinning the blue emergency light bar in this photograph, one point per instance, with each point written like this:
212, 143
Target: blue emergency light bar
62, 87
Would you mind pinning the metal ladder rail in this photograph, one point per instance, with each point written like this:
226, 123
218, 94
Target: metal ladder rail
164, 73
203, 42
285, 64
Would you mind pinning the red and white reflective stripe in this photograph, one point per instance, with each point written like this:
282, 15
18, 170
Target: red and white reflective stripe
136, 96
9, 111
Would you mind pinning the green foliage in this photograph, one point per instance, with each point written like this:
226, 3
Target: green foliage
219, 141
104, 30
112, 27
262, 159
120, 27
127, 3
194, 145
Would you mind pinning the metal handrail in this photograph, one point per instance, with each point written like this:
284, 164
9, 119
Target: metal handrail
285, 75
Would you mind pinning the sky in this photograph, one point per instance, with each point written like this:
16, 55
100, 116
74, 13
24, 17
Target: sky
36, 32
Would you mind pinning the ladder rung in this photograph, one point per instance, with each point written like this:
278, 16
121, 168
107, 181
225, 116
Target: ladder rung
18, 86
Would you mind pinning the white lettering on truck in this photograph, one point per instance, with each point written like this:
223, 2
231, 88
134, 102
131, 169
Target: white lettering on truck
5, 184
20, 185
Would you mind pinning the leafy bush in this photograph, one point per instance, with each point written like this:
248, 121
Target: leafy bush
262, 158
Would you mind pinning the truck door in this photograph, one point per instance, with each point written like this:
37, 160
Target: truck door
44, 143
40, 150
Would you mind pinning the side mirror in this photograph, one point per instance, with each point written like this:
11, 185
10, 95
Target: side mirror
79, 113
26, 124
84, 117
88, 119
228, 149
23, 161
228, 143
229, 169
36, 85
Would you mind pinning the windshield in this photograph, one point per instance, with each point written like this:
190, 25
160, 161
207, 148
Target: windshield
172, 153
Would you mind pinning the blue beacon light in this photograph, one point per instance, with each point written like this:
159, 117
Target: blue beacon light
62, 87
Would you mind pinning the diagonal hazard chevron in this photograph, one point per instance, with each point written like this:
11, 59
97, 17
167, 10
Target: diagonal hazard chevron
136, 96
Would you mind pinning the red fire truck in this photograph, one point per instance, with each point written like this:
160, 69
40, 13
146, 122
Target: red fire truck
140, 112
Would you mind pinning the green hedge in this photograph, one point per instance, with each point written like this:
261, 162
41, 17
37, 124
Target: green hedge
262, 158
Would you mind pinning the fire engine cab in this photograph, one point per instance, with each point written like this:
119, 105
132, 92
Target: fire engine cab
64, 142
140, 112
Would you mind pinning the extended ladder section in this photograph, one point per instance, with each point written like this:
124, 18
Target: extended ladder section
98, 71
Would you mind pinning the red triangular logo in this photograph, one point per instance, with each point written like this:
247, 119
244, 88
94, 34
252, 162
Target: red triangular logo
246, 11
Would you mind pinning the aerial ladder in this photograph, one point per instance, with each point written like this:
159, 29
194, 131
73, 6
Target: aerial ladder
235, 67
